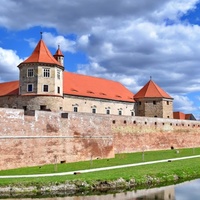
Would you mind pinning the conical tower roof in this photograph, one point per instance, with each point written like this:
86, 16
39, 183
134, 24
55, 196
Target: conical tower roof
58, 52
41, 54
152, 90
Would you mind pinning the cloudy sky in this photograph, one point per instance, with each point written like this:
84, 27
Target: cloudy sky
124, 40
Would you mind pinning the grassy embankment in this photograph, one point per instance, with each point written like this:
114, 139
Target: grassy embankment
161, 172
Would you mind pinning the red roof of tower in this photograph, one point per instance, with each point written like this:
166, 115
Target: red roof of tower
59, 52
151, 90
88, 86
41, 54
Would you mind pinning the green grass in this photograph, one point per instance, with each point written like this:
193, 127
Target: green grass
166, 171
120, 159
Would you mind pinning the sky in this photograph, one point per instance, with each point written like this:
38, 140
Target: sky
124, 40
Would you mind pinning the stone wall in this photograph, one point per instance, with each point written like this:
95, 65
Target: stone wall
45, 138
39, 137
85, 104
155, 107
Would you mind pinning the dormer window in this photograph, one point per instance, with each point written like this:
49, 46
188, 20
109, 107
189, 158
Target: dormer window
30, 72
46, 72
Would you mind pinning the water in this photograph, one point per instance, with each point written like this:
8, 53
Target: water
185, 191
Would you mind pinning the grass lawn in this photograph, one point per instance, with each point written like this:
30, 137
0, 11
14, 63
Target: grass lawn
166, 171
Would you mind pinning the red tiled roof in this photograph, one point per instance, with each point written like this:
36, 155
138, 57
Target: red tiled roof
41, 54
81, 85
178, 115
9, 88
151, 90
58, 52
88, 86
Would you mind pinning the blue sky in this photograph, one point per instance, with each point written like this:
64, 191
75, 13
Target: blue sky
125, 40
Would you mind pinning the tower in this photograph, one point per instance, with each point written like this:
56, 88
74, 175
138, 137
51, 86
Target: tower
152, 101
41, 75
59, 56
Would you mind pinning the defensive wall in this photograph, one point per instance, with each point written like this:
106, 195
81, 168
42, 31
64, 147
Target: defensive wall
41, 137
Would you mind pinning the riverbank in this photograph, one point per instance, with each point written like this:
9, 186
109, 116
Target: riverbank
129, 178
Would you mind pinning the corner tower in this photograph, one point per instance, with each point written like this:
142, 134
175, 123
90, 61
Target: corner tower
152, 101
41, 73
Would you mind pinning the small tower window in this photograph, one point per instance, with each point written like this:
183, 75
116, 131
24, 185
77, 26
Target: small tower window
30, 73
154, 102
120, 112
46, 72
107, 111
58, 74
58, 90
45, 88
30, 88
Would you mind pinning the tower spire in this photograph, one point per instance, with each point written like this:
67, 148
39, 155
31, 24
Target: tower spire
59, 56
41, 35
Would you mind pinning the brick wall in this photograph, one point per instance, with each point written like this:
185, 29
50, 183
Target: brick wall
40, 137
46, 137
143, 134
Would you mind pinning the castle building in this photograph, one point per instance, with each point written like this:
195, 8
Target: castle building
44, 85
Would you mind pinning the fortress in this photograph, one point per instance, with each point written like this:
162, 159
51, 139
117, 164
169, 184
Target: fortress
54, 116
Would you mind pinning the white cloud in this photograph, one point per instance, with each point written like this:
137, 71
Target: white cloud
8, 62
54, 41
183, 104
124, 40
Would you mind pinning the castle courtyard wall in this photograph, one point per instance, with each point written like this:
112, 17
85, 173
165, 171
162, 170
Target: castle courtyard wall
39, 137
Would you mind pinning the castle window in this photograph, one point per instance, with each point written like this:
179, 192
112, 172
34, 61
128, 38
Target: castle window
107, 112
93, 110
58, 74
120, 112
30, 88
167, 102
132, 113
154, 102
58, 90
45, 88
46, 72
140, 103
75, 109
29, 72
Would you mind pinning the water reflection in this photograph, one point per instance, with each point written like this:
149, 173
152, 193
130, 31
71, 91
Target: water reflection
185, 191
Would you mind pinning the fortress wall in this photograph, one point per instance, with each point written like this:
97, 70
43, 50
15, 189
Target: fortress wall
41, 137
46, 138
133, 134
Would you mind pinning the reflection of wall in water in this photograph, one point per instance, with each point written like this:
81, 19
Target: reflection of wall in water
164, 193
